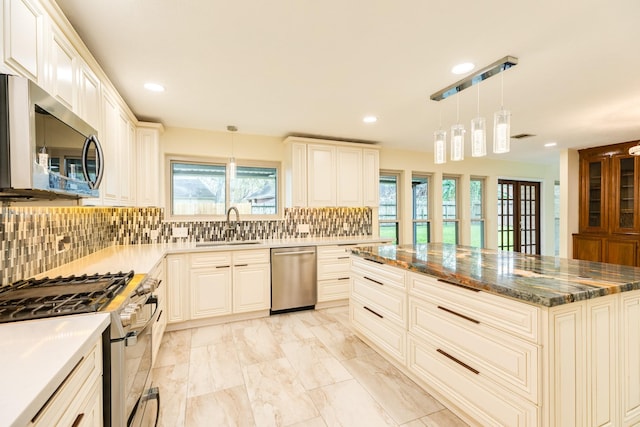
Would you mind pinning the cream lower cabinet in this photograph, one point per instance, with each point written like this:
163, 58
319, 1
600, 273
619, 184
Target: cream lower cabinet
209, 284
499, 361
78, 400
333, 272
161, 321
377, 307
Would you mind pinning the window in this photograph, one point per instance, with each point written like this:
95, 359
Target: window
388, 212
421, 222
450, 210
207, 189
477, 212
556, 218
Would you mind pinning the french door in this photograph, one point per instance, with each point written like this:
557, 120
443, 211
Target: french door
519, 216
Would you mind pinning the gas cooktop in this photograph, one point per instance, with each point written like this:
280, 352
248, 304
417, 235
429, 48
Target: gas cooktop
48, 297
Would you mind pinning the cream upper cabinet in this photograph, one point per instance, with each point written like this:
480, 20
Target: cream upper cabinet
22, 31
322, 173
321, 164
349, 176
147, 178
88, 105
61, 69
370, 177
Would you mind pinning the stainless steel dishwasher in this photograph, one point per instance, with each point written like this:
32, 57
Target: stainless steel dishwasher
293, 279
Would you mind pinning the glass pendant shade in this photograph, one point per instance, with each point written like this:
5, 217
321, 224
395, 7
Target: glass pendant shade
440, 147
457, 142
478, 137
501, 131
232, 168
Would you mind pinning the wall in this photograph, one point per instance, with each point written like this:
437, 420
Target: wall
31, 238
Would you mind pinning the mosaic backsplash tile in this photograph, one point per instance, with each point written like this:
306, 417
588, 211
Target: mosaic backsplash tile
36, 239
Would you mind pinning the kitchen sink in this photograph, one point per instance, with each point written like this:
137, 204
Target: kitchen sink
230, 243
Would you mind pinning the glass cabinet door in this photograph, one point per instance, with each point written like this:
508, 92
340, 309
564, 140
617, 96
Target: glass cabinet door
625, 194
593, 215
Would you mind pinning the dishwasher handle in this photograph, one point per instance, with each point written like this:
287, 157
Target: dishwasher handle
294, 253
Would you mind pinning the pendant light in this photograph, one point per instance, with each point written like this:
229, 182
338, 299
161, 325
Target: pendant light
232, 160
457, 135
501, 125
440, 144
478, 133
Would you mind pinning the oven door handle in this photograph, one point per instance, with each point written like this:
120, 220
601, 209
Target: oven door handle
131, 338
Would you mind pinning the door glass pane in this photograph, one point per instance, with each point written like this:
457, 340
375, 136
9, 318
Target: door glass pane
595, 193
626, 192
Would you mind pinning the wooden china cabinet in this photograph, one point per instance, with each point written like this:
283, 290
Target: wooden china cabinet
609, 205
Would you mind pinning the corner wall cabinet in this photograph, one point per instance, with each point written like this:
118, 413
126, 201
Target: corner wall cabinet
323, 173
609, 205
498, 361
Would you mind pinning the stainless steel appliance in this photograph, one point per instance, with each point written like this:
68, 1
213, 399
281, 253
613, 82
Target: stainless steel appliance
127, 347
293, 279
46, 151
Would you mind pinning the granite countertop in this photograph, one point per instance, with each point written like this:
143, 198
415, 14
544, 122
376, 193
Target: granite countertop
541, 280
143, 258
35, 358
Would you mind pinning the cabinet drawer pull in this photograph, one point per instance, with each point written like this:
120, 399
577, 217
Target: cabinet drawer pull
223, 266
241, 265
464, 365
470, 319
343, 257
77, 421
343, 278
159, 316
374, 281
368, 309
347, 244
373, 260
459, 285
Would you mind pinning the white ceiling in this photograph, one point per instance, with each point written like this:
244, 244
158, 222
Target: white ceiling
317, 67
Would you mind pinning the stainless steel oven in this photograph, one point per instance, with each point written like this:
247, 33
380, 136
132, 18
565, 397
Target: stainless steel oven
129, 397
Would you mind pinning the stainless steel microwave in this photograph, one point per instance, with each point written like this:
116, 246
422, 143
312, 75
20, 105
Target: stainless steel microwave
46, 151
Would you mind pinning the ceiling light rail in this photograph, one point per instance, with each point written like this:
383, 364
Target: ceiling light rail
475, 78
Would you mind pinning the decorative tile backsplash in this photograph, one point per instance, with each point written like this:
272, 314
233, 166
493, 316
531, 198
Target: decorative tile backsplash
36, 239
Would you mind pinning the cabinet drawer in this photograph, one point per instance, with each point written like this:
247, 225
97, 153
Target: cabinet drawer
333, 252
499, 312
384, 299
483, 401
380, 272
209, 259
331, 290
333, 269
67, 400
380, 330
503, 358
259, 256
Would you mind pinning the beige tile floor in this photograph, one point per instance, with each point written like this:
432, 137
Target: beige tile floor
298, 369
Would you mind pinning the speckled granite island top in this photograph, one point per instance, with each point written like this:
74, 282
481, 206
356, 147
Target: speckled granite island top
541, 280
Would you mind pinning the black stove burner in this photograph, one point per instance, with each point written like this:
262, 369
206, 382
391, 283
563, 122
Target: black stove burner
38, 298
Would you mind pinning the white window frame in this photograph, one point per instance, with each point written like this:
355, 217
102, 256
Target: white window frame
456, 220
427, 221
169, 216
483, 209
398, 176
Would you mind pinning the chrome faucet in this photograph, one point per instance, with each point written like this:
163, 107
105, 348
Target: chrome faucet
231, 225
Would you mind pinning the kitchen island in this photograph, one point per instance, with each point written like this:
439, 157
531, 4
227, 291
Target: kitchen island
505, 338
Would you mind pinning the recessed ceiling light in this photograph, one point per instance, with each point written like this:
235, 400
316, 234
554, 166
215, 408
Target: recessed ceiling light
550, 144
370, 119
154, 87
465, 67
